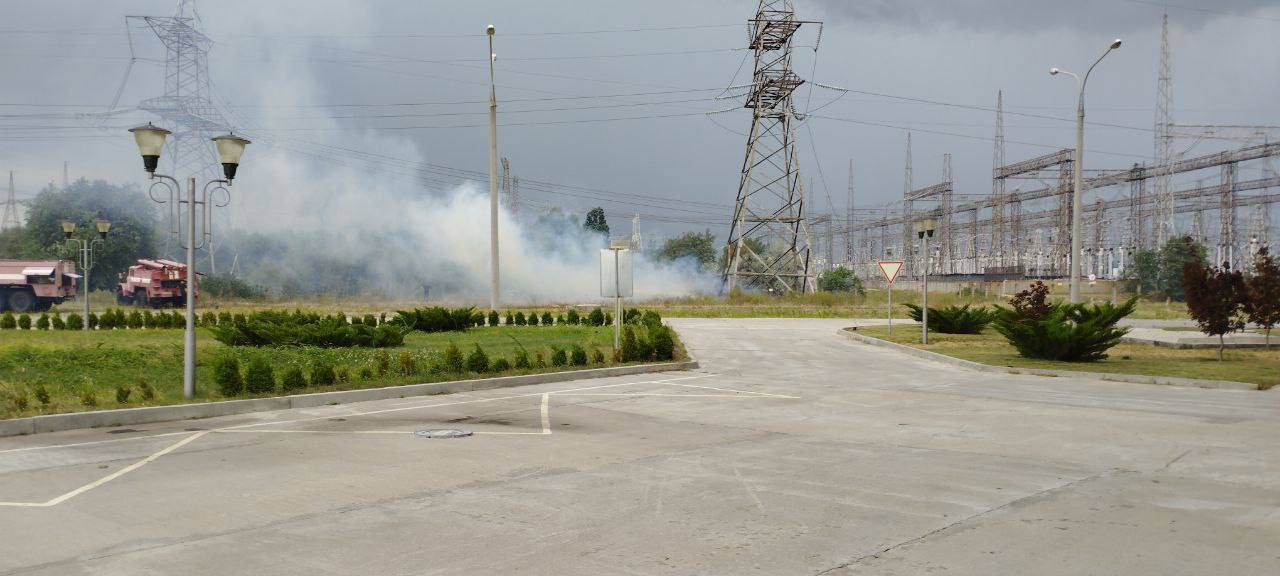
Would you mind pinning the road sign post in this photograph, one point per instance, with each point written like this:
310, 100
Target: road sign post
890, 268
616, 281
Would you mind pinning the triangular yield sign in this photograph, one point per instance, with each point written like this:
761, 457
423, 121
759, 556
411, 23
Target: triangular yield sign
890, 268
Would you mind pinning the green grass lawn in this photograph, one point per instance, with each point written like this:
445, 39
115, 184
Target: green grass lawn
69, 363
1255, 366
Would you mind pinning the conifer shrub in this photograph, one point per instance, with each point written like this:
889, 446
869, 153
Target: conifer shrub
237, 318
522, 360
57, 322
259, 378
24, 321
596, 317
43, 322
341, 374
226, 374
547, 320
148, 319
270, 328
208, 319
123, 392
560, 320
558, 356
500, 365
323, 374
74, 322
493, 318
477, 360
538, 361
405, 364
42, 394
533, 319
521, 320
452, 361
148, 391
608, 319
597, 357
578, 356
93, 320
366, 373
436, 319
511, 320
1066, 332
954, 319
572, 317
370, 320
89, 396
224, 318
293, 380
664, 343
8, 322
135, 320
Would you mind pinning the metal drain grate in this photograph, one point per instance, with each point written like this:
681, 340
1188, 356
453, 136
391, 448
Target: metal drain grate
442, 433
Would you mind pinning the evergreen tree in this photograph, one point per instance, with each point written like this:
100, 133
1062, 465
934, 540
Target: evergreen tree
596, 222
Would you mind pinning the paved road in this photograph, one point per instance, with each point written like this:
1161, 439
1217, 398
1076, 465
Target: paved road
794, 451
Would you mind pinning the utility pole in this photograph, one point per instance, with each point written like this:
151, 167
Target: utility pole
493, 176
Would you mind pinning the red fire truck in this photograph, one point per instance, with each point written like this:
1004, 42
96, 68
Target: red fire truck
36, 285
155, 283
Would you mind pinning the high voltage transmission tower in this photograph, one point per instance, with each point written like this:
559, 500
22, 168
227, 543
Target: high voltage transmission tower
768, 244
1164, 141
10, 219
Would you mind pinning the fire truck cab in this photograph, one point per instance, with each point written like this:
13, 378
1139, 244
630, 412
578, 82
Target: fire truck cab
155, 283
36, 285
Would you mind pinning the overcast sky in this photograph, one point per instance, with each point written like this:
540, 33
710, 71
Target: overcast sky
612, 96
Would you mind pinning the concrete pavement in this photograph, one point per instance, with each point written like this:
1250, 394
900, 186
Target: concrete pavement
793, 451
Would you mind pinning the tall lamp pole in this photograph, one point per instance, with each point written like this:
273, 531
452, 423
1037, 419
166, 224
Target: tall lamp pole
85, 246
493, 176
924, 229
150, 140
1077, 189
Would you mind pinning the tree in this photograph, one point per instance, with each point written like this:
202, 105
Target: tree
1263, 293
695, 246
839, 279
132, 232
596, 222
1160, 272
1215, 297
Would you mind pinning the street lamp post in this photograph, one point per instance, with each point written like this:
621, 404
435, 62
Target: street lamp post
85, 247
493, 176
924, 229
150, 140
1077, 189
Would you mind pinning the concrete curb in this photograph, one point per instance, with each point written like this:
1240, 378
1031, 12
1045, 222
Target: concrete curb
1191, 345
125, 416
1133, 378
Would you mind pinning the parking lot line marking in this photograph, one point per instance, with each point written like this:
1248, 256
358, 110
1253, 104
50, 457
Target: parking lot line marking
89, 443
118, 473
546, 413
738, 391
666, 395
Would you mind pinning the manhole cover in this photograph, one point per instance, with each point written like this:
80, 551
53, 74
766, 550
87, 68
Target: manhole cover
442, 433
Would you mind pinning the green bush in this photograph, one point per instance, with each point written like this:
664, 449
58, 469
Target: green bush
477, 360
24, 321
89, 396
493, 318
533, 319
521, 320
500, 365
122, 393
148, 391
436, 319
572, 317
522, 359
283, 329
538, 361
93, 320
43, 322
370, 320
341, 374
558, 356
323, 374
366, 373
511, 320
382, 360
237, 318
405, 364
630, 316
560, 320
547, 320
578, 356
954, 319
75, 322
209, 319
635, 347
20, 400
226, 373
224, 318
293, 380
664, 343
453, 361
597, 357
651, 319
1069, 332
57, 322
42, 394
259, 378
596, 317
135, 320
8, 322
148, 319
608, 318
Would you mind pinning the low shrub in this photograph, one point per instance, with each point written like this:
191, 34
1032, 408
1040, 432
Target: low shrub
226, 374
148, 391
224, 318
88, 396
572, 317
43, 322
123, 392
209, 319
578, 356
596, 317
135, 320
597, 357
522, 359
293, 380
477, 360
323, 374
608, 319
560, 319
631, 315
259, 378
954, 319
651, 319
382, 361
341, 373
500, 365
436, 319
405, 364
366, 373
42, 394
547, 320
370, 320
521, 320
511, 320
493, 318
8, 322
452, 361
538, 361
24, 321
20, 400
1068, 332
75, 322
270, 328
533, 319
664, 343
148, 320
93, 320
558, 356
57, 322
237, 318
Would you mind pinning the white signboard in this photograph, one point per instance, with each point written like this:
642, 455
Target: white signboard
615, 274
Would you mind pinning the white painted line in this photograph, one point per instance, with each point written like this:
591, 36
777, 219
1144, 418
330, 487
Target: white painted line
109, 477
641, 394
546, 413
738, 391
75, 444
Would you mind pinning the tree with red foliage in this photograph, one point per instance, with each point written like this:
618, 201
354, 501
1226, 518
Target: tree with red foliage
1215, 298
1263, 304
1032, 303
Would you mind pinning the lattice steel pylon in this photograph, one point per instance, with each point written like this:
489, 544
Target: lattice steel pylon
850, 257
10, 219
1164, 209
770, 205
187, 104
998, 189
